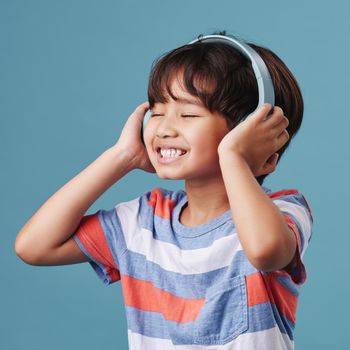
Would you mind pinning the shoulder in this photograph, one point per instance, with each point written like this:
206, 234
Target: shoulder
297, 212
290, 197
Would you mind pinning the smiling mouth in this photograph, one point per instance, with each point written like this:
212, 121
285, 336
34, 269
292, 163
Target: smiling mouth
181, 154
169, 159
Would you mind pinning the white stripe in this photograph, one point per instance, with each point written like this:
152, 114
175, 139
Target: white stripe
169, 256
270, 339
302, 216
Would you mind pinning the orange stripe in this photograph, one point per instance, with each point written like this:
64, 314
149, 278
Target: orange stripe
256, 289
285, 301
144, 296
302, 275
90, 233
282, 193
163, 206
294, 227
290, 191
266, 288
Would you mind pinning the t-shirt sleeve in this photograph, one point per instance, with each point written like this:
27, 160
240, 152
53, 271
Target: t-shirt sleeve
100, 237
298, 215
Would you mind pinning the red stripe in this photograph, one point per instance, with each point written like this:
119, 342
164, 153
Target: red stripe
301, 277
285, 301
256, 289
144, 296
260, 289
266, 288
290, 191
91, 235
282, 193
163, 206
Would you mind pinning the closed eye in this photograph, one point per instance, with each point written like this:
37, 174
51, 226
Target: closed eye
183, 115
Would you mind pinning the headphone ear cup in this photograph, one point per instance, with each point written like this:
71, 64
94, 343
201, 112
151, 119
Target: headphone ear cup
144, 123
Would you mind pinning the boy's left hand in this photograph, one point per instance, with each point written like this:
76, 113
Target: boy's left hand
257, 140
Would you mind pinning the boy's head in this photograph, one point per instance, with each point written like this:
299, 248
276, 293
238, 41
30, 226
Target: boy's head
223, 80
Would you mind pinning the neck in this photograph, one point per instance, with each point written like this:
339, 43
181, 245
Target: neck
206, 201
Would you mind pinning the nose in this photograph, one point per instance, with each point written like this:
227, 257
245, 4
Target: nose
167, 126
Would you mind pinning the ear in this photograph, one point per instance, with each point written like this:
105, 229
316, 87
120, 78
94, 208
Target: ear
270, 164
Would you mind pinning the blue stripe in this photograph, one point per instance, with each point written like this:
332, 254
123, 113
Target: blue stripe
163, 230
151, 324
191, 286
290, 285
299, 200
285, 325
265, 316
113, 232
261, 317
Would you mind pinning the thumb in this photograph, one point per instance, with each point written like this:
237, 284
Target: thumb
140, 111
142, 108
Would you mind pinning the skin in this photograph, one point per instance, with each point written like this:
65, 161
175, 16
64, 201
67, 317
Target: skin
219, 170
200, 168
250, 149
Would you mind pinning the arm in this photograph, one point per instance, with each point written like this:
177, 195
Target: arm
46, 239
245, 152
263, 232
41, 240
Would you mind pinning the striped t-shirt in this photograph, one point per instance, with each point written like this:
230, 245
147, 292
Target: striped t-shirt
193, 287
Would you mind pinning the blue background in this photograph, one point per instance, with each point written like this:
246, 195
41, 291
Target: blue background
71, 72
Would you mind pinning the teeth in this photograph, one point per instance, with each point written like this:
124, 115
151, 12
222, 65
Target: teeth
171, 152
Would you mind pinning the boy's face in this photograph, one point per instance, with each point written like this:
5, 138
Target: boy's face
199, 136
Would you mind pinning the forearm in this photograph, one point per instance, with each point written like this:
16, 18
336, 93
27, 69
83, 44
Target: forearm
261, 227
56, 220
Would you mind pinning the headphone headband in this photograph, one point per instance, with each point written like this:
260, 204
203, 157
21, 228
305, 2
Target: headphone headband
265, 85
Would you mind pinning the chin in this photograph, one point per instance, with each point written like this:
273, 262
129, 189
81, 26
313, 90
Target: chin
164, 175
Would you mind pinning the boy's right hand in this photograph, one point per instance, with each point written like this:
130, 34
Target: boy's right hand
130, 141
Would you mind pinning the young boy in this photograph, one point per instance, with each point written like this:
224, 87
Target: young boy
219, 265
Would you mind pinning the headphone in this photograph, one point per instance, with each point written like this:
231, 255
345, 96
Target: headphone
263, 77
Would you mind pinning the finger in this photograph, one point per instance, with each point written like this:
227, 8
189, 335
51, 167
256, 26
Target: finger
261, 113
282, 138
281, 125
143, 106
277, 119
269, 113
140, 110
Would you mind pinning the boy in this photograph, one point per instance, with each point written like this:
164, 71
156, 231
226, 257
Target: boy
217, 266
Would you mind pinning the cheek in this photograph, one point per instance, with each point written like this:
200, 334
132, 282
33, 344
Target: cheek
148, 138
208, 139
204, 147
